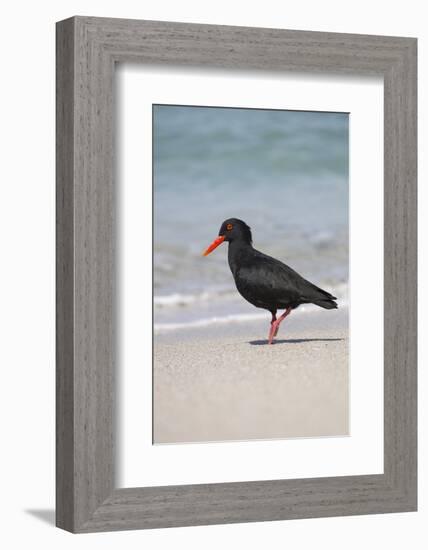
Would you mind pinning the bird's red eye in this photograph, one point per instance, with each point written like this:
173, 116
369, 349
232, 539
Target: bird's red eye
229, 226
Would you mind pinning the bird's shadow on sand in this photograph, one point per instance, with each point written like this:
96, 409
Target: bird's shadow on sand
294, 341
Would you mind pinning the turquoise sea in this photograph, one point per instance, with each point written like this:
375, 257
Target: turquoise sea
285, 173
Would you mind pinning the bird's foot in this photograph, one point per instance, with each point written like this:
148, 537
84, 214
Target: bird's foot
274, 324
272, 332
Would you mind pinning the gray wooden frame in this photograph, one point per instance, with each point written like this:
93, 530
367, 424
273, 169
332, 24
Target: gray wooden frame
87, 50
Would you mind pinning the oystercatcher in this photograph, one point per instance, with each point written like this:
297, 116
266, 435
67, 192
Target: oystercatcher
264, 281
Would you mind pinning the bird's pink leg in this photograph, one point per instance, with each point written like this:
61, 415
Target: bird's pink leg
272, 328
277, 322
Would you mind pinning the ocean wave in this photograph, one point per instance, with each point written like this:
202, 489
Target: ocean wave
236, 318
232, 318
178, 299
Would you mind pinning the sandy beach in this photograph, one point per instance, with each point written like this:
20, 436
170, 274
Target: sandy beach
223, 382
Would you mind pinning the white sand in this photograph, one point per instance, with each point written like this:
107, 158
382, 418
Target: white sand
226, 383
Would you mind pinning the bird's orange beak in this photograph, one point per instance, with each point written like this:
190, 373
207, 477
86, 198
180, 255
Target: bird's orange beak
213, 245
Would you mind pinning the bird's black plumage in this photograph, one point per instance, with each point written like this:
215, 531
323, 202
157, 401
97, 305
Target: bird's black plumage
264, 281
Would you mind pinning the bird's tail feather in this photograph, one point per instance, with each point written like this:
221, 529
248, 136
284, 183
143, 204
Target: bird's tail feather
322, 298
326, 303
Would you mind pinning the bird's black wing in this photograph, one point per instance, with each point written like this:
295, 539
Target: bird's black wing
263, 282
268, 280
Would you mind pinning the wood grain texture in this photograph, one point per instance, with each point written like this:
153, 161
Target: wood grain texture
87, 49
64, 277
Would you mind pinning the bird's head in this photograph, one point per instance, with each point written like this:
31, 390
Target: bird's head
231, 230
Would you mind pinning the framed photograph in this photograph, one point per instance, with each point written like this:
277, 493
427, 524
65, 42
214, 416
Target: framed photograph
236, 274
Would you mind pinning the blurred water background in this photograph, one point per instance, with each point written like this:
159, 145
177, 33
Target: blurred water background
285, 173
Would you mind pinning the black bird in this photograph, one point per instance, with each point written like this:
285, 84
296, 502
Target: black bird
264, 281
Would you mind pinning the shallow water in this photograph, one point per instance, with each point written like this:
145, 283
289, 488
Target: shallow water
284, 172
